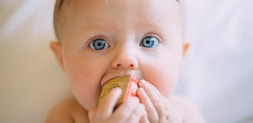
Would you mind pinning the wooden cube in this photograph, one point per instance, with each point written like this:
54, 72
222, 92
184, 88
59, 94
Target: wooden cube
128, 85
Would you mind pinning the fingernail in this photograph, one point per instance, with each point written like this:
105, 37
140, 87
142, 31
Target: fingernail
142, 82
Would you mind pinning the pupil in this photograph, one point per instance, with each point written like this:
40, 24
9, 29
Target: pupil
99, 43
148, 41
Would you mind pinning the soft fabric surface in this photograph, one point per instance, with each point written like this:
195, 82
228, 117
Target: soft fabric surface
219, 67
217, 73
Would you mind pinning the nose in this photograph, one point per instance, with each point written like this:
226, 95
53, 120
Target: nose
125, 59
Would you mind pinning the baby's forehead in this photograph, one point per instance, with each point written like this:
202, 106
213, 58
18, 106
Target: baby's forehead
67, 9
64, 6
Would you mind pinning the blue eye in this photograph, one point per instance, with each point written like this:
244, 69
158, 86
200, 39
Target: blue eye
99, 44
149, 42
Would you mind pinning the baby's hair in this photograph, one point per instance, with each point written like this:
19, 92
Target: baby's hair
60, 3
58, 6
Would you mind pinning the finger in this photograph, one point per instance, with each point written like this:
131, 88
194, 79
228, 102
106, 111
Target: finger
106, 107
151, 111
137, 114
157, 99
151, 92
125, 109
162, 112
148, 87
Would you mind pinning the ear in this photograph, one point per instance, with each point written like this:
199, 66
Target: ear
56, 48
186, 45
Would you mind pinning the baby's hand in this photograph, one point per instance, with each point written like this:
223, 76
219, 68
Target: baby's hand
157, 106
131, 111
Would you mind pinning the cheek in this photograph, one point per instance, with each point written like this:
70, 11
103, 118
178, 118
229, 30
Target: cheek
163, 74
85, 80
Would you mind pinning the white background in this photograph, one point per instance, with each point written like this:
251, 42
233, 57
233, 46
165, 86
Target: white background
217, 73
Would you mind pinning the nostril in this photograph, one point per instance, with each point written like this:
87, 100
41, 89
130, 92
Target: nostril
118, 65
131, 65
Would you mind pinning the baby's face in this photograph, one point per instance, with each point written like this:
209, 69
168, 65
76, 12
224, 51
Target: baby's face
103, 39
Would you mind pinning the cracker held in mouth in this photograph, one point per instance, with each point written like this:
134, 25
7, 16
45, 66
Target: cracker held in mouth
127, 84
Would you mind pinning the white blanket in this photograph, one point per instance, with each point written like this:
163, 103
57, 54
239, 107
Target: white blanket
217, 73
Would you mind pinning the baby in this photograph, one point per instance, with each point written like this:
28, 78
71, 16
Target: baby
103, 39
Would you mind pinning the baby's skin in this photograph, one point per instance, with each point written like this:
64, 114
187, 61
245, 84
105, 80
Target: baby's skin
102, 39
